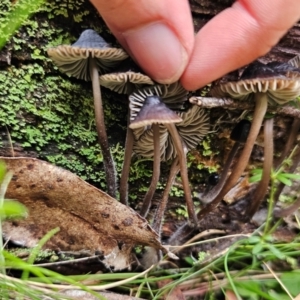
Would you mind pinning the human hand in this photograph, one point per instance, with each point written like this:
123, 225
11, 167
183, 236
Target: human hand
159, 35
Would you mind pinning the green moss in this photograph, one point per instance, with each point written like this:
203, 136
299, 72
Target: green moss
46, 113
43, 255
52, 116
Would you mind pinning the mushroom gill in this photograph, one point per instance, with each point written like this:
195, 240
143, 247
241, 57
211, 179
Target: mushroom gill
153, 112
189, 131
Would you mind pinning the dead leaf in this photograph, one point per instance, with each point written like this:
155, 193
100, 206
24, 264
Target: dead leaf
88, 218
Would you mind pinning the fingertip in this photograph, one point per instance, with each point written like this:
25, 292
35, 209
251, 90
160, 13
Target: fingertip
224, 45
158, 51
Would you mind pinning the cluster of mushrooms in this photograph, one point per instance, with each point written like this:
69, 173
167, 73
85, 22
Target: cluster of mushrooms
160, 127
273, 84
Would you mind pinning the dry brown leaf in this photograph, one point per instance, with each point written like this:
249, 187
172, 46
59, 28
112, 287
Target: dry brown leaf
88, 218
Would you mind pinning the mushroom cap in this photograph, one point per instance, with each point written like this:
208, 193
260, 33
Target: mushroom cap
295, 61
125, 82
281, 82
154, 111
193, 127
173, 95
73, 59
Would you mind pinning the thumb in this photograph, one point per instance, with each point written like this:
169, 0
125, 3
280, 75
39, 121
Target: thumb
158, 34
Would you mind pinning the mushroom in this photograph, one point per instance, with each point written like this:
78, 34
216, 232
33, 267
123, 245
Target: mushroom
174, 95
89, 55
160, 211
289, 143
191, 129
284, 212
295, 160
239, 134
125, 79
264, 84
153, 112
262, 188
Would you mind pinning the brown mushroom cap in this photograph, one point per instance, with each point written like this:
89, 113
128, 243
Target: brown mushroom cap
280, 83
127, 78
73, 59
173, 95
125, 82
193, 127
154, 111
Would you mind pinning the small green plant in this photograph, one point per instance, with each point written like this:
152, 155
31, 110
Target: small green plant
276, 176
18, 14
182, 211
8, 208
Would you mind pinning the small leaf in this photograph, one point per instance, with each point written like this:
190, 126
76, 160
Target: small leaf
292, 176
284, 180
276, 252
254, 239
256, 171
2, 170
11, 209
257, 248
255, 178
291, 282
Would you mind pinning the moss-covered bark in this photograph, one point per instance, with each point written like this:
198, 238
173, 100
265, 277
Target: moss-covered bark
46, 114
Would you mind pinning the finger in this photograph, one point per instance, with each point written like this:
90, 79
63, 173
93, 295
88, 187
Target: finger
158, 33
236, 37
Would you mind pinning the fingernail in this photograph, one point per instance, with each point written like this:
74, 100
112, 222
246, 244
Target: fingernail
158, 51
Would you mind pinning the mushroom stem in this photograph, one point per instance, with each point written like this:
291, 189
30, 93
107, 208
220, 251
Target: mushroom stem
217, 188
183, 171
163, 204
295, 155
285, 212
261, 100
291, 139
126, 166
262, 188
101, 131
156, 172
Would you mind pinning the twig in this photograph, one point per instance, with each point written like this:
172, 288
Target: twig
211, 102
